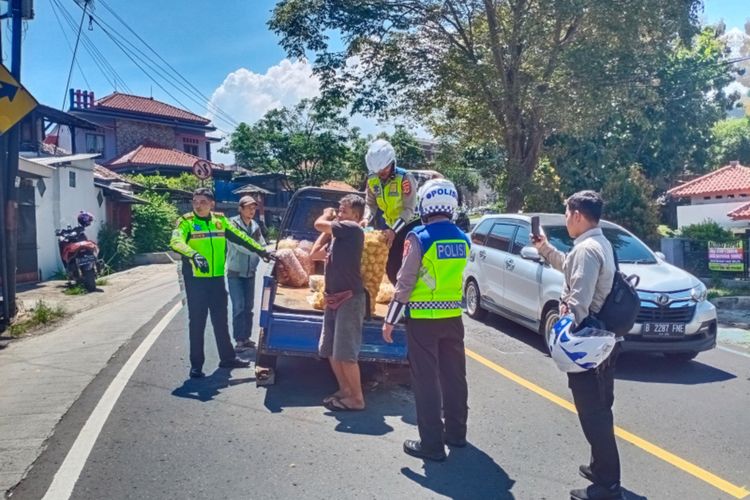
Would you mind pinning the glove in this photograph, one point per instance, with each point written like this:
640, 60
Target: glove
268, 256
200, 262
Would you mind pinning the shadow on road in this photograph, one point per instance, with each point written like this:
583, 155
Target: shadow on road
512, 330
206, 389
656, 368
468, 473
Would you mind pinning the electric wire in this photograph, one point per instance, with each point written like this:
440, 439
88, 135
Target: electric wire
70, 46
75, 51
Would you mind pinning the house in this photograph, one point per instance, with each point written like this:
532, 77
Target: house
124, 122
152, 158
722, 196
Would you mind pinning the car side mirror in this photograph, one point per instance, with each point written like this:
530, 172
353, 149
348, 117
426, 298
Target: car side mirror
531, 253
660, 255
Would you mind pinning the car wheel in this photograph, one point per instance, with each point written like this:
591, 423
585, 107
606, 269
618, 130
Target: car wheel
680, 357
473, 300
550, 317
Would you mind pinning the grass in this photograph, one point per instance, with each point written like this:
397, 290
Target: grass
102, 281
40, 315
75, 290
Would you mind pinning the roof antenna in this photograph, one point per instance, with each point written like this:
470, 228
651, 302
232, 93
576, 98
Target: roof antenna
152, 91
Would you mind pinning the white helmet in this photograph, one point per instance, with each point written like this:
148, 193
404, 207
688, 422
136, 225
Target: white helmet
576, 352
437, 196
379, 155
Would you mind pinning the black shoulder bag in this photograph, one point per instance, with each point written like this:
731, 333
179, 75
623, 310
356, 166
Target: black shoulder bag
621, 307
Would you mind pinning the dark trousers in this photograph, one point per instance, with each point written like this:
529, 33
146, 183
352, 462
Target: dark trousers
204, 295
593, 395
242, 293
396, 252
437, 362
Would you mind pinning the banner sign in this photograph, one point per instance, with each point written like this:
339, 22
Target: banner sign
726, 256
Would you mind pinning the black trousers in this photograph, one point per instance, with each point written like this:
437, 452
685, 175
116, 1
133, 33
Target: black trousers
206, 295
593, 395
437, 362
396, 252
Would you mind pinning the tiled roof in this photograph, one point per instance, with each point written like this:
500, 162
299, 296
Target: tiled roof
106, 174
339, 186
740, 213
148, 106
733, 178
153, 154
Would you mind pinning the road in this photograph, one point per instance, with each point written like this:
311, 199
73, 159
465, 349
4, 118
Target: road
683, 429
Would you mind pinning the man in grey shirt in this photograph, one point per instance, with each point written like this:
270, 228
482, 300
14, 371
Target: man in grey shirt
240, 271
589, 270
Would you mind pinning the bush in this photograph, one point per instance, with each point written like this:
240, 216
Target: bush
707, 231
629, 201
153, 223
543, 192
41, 314
116, 248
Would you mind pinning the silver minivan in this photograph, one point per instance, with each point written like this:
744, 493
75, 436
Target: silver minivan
507, 276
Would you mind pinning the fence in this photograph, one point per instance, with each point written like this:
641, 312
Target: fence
725, 260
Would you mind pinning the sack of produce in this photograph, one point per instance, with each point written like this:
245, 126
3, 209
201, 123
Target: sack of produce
317, 300
374, 259
317, 282
289, 243
305, 245
289, 271
385, 294
304, 259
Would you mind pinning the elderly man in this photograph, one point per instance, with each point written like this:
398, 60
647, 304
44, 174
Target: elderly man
241, 266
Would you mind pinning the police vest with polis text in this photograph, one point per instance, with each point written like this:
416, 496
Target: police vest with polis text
389, 195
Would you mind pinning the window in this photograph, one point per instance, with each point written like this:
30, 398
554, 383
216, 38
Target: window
629, 248
94, 143
522, 239
500, 236
480, 232
190, 145
72, 179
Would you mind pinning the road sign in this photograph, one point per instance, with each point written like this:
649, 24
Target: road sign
202, 169
15, 101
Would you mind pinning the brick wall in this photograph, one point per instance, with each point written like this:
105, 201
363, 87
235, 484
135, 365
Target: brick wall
130, 134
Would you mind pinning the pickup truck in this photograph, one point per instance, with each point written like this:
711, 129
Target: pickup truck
289, 325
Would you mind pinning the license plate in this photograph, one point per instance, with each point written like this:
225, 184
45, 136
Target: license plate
663, 329
86, 259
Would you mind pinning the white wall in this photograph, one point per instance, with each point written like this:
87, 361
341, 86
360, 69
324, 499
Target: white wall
717, 212
59, 208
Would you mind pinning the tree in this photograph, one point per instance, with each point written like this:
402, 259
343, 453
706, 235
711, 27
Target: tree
153, 223
731, 141
307, 143
409, 153
665, 126
508, 72
183, 182
629, 201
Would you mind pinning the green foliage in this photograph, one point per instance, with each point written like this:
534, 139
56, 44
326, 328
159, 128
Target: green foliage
706, 231
504, 73
409, 153
153, 223
75, 290
544, 192
731, 141
308, 143
41, 314
465, 163
628, 201
183, 182
116, 248
102, 281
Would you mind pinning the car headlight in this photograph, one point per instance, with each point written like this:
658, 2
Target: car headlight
699, 292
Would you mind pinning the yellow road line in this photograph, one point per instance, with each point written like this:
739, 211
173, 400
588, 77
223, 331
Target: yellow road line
680, 463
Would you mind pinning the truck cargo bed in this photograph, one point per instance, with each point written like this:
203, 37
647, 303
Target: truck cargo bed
295, 299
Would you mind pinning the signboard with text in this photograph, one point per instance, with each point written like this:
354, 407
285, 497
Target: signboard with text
726, 256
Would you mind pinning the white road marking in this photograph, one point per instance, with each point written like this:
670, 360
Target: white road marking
739, 353
66, 477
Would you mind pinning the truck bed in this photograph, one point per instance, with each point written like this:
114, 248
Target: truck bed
295, 299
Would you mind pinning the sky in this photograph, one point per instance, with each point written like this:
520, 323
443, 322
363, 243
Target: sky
224, 49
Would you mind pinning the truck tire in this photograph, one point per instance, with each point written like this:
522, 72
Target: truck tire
89, 279
473, 300
265, 364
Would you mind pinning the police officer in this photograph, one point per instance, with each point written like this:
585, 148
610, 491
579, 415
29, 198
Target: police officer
428, 292
392, 191
201, 238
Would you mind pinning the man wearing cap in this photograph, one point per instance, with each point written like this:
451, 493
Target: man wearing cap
201, 237
392, 193
241, 266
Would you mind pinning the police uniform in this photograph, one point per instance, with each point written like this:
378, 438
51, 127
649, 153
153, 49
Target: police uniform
396, 199
205, 288
428, 292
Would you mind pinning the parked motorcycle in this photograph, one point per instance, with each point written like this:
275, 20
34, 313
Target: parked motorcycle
78, 253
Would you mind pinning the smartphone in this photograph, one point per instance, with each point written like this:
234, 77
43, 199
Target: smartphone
535, 232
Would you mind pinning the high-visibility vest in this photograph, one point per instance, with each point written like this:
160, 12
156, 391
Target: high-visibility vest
445, 252
389, 195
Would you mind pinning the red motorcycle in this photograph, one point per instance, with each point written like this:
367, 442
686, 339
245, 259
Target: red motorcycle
78, 253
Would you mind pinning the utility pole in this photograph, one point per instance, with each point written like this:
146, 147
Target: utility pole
9, 148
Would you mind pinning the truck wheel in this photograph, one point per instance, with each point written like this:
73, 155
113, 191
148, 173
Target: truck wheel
89, 280
265, 364
549, 318
680, 357
473, 300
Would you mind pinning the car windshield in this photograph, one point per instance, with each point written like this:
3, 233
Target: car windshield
630, 250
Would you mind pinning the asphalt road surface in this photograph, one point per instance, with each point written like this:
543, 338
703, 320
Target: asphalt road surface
683, 429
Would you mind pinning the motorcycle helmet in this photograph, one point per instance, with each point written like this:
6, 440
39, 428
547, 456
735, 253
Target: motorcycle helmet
437, 196
379, 155
85, 219
576, 352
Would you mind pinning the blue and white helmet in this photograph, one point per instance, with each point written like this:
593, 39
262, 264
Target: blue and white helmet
576, 352
437, 196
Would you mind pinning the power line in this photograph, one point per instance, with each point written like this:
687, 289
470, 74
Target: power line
70, 46
75, 51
